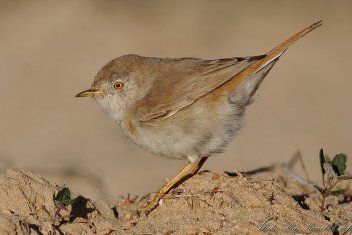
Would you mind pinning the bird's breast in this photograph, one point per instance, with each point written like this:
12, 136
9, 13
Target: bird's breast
201, 129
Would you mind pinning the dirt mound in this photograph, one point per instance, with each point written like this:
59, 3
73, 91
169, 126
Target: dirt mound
209, 203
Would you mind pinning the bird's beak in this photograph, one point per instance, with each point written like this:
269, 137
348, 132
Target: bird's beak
90, 93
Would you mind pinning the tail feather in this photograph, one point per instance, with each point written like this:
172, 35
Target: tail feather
277, 51
288, 42
272, 55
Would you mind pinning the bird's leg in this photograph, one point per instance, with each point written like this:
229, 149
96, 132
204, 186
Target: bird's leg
187, 172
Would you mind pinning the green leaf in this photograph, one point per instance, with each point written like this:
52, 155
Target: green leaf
339, 164
337, 192
64, 196
322, 161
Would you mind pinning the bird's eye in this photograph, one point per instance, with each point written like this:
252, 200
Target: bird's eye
118, 85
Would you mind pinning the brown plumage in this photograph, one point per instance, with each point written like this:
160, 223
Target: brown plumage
182, 108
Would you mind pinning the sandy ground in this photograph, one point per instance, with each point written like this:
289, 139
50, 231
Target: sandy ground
209, 203
51, 50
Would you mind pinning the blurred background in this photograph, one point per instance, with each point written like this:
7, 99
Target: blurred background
51, 50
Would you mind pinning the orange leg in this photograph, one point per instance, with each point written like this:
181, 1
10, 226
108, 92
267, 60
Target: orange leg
188, 171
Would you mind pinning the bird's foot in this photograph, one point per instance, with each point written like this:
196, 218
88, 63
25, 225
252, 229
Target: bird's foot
151, 205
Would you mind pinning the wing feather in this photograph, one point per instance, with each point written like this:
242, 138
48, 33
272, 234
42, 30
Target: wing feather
182, 87
187, 80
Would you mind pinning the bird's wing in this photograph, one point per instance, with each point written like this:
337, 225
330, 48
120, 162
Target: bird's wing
171, 94
186, 81
183, 86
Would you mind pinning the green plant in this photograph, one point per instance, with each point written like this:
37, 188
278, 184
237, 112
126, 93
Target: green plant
64, 197
333, 172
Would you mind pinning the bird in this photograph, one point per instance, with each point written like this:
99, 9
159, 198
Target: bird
182, 108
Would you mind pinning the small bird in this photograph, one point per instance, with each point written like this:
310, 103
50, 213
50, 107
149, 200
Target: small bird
183, 108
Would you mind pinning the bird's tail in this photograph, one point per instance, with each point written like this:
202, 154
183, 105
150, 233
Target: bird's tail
288, 42
271, 56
